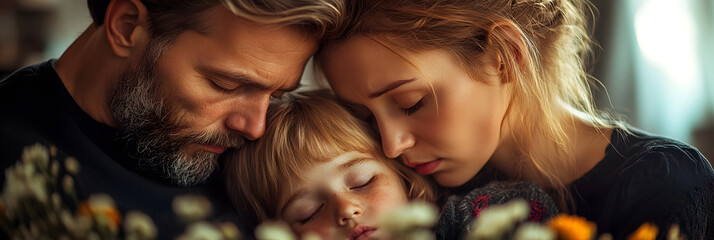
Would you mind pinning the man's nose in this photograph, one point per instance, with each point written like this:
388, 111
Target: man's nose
248, 117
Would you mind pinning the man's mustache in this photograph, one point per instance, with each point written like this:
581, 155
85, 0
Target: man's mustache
216, 138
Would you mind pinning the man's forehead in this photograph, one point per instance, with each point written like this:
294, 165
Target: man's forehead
270, 58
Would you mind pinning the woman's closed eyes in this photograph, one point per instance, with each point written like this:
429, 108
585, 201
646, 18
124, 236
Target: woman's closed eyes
411, 110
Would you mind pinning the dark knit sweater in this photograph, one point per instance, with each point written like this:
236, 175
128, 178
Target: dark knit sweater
642, 178
461, 210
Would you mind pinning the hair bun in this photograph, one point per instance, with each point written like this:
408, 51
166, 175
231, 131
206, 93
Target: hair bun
538, 14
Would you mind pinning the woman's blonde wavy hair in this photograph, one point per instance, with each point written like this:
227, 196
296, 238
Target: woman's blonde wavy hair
547, 73
304, 129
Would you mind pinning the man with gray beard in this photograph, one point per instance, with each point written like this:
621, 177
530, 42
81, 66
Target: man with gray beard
153, 92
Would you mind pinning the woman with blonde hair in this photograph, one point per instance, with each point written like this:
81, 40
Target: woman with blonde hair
468, 91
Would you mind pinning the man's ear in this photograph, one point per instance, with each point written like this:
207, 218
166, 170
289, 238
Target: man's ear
126, 26
510, 44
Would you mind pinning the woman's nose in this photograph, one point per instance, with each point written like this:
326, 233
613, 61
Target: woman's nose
396, 138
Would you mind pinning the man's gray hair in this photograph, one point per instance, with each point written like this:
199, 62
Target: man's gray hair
315, 16
170, 18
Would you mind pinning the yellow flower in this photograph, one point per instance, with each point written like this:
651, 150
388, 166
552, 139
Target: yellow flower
646, 231
572, 227
101, 206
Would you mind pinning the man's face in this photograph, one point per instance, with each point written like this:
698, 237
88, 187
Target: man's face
184, 103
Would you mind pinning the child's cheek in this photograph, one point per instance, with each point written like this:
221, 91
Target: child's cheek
388, 196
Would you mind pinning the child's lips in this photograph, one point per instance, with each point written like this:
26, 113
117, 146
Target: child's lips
361, 232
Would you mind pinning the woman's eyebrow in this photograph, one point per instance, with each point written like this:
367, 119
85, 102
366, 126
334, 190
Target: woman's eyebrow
390, 87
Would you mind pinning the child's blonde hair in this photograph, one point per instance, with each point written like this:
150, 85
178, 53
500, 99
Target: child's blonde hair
546, 74
303, 129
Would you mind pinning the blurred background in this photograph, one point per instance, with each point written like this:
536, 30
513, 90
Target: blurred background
655, 59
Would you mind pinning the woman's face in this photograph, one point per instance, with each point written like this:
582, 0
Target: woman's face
343, 198
426, 107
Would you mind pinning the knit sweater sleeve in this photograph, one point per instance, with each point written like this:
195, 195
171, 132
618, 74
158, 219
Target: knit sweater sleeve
460, 210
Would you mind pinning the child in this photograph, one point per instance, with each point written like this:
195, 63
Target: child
322, 171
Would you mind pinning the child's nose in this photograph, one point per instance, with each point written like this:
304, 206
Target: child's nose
347, 211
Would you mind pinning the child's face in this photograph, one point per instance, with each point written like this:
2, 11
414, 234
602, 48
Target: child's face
342, 198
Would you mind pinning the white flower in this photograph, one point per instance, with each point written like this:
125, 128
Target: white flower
191, 207
56, 200
674, 233
67, 184
77, 226
138, 225
230, 231
533, 231
101, 202
28, 170
12, 192
72, 165
36, 155
93, 236
22, 183
273, 231
201, 231
518, 209
53, 151
409, 216
495, 220
37, 186
54, 168
607, 236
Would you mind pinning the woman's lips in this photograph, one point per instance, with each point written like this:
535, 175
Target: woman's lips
361, 232
426, 168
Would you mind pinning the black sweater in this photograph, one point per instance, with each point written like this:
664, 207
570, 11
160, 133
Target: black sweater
648, 178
